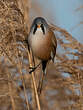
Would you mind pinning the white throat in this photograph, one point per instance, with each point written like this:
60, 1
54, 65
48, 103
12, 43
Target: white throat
38, 34
39, 31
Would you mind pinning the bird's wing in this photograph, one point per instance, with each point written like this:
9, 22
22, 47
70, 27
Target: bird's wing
54, 46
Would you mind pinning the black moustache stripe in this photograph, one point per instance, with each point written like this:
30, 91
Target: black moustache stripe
42, 27
35, 29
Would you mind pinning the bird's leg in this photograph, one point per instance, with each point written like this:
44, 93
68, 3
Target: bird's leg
40, 86
42, 77
33, 68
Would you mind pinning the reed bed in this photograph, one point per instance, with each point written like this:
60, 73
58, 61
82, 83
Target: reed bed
63, 85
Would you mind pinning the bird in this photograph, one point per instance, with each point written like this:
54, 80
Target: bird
42, 42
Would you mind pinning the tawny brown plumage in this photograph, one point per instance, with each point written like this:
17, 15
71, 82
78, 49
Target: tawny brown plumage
43, 44
42, 41
46, 47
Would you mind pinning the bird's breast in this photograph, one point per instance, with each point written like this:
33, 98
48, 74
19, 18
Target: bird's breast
41, 46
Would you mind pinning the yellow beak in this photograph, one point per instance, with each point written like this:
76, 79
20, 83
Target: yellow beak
38, 26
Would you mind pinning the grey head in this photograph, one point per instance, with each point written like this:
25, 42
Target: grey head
39, 21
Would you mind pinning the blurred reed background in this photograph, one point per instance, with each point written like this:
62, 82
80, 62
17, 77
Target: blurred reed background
63, 86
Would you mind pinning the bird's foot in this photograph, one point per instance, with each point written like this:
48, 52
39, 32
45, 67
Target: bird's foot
32, 69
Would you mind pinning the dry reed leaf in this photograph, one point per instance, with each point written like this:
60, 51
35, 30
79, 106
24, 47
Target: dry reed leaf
63, 86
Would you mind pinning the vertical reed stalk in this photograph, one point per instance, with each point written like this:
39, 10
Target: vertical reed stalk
34, 82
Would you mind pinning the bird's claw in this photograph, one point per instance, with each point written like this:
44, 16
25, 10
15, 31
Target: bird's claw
31, 69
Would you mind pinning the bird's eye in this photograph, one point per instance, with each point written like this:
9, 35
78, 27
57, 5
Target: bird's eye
35, 28
42, 26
